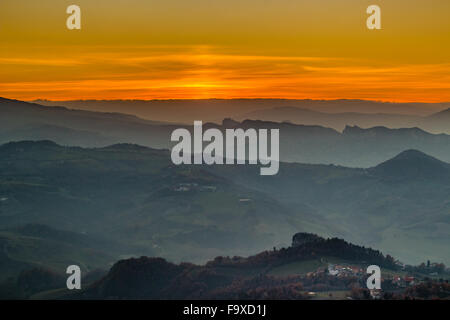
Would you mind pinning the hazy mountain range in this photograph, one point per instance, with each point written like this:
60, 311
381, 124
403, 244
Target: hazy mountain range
401, 205
216, 109
353, 146
134, 195
27, 121
334, 114
436, 123
91, 188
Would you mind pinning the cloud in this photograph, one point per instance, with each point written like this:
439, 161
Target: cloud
213, 72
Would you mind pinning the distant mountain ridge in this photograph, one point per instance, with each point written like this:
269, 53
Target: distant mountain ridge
329, 113
165, 109
354, 147
93, 188
8, 104
413, 164
29, 121
438, 122
334, 120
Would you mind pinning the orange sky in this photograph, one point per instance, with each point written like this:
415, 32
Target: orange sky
167, 49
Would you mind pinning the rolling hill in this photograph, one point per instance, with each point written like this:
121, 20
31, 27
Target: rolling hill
400, 206
33, 246
134, 195
288, 273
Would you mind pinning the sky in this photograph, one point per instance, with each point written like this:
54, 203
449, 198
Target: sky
193, 49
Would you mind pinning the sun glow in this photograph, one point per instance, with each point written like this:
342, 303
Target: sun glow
234, 49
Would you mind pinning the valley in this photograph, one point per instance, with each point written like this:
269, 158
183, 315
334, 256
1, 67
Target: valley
89, 188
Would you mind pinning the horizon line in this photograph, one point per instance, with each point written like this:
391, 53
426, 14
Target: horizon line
240, 98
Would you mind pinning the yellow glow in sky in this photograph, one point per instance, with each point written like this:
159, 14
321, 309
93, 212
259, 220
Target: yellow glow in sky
167, 49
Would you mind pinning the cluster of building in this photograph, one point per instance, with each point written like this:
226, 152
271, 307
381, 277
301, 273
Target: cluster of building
390, 282
403, 282
185, 187
344, 271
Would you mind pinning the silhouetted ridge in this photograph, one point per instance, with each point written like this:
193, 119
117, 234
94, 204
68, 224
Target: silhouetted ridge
302, 238
127, 147
229, 123
137, 278
413, 164
291, 128
28, 144
445, 113
414, 154
19, 106
380, 130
